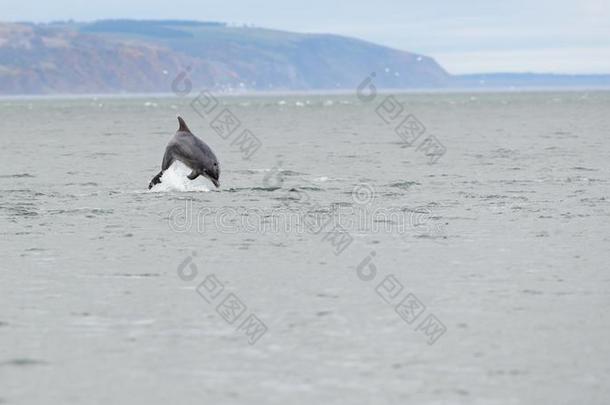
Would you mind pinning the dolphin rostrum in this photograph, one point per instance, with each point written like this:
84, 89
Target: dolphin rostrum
193, 152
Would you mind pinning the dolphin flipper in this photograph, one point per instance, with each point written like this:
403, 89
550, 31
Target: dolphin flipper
194, 174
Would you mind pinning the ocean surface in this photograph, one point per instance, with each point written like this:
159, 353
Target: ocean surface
461, 259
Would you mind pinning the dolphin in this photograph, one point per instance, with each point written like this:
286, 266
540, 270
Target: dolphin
193, 152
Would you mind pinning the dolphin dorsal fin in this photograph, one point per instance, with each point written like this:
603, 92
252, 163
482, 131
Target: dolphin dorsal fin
182, 127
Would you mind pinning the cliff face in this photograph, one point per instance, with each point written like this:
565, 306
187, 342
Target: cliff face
50, 60
145, 56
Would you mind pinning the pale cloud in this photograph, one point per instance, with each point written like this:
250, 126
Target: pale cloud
557, 60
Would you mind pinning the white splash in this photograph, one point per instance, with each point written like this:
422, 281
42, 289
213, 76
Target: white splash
174, 179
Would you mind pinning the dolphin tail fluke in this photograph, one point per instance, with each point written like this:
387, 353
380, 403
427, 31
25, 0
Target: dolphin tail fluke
156, 180
183, 127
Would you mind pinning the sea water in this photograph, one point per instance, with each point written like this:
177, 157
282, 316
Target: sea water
341, 261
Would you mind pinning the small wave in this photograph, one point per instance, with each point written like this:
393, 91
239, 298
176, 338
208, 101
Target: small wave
174, 179
283, 172
239, 189
16, 176
88, 212
23, 362
404, 184
90, 183
291, 173
251, 171
306, 188
264, 188
134, 275
102, 154
20, 210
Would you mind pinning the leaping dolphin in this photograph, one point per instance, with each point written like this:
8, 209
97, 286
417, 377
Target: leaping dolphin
193, 152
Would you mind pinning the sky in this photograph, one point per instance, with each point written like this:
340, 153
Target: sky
464, 36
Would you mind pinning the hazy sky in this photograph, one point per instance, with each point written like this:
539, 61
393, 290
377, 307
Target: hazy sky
562, 36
